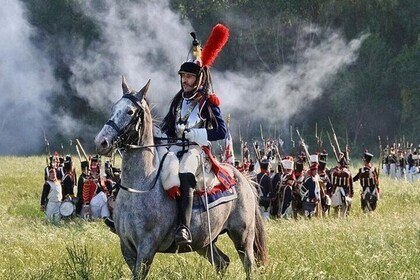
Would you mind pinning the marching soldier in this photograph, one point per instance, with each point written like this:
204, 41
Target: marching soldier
369, 181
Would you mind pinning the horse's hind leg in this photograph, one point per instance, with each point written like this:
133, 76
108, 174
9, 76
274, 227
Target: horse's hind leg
244, 244
220, 260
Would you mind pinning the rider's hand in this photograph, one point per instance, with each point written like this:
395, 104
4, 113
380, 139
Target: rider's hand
174, 192
197, 135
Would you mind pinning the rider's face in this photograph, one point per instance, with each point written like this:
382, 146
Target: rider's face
188, 81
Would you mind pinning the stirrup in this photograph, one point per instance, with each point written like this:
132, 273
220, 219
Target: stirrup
183, 236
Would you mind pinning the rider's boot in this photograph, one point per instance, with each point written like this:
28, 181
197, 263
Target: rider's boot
183, 234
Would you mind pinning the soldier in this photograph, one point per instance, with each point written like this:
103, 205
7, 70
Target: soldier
369, 181
392, 162
84, 165
95, 194
68, 181
51, 197
286, 189
265, 187
195, 115
342, 188
324, 183
275, 199
308, 191
400, 164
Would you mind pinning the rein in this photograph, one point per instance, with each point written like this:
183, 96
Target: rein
154, 183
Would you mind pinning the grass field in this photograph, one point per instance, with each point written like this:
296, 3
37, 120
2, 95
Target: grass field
383, 245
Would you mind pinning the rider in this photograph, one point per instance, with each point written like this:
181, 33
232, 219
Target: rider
194, 114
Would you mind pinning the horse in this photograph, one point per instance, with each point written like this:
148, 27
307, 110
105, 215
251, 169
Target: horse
146, 218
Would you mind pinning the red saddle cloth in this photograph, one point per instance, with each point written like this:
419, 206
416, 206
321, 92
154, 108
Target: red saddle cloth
226, 181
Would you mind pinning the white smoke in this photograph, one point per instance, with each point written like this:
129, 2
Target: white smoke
275, 97
26, 83
141, 41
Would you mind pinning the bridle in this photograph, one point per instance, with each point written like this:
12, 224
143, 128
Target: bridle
125, 135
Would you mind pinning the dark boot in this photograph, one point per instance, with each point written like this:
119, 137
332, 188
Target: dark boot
110, 223
183, 234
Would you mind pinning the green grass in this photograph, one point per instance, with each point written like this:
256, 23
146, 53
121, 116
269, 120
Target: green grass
383, 245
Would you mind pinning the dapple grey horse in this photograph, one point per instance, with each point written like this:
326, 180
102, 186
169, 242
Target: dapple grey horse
146, 218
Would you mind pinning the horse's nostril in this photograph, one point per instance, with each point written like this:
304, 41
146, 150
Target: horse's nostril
104, 144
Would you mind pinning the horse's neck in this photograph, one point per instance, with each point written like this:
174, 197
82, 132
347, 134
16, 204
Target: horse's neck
140, 163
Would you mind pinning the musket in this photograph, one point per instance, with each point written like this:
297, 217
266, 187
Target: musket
47, 150
242, 144
305, 148
257, 153
332, 146
380, 155
279, 159
335, 136
262, 138
78, 153
83, 151
318, 140
291, 139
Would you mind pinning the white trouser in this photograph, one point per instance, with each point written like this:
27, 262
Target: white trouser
99, 206
52, 212
172, 166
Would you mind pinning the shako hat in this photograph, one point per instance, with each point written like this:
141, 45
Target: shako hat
367, 156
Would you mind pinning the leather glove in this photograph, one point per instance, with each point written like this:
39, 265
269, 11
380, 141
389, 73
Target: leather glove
197, 135
174, 192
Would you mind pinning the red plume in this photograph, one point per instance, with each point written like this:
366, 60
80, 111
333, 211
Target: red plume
215, 43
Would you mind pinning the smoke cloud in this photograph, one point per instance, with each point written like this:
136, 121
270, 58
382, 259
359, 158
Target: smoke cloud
25, 84
145, 41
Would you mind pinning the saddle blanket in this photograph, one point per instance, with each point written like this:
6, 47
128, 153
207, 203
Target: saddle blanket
214, 199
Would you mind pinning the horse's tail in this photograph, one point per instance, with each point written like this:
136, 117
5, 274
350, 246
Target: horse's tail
260, 240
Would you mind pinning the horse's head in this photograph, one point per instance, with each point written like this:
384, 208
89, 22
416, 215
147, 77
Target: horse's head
129, 120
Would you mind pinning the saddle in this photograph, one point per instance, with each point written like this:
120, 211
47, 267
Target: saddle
226, 179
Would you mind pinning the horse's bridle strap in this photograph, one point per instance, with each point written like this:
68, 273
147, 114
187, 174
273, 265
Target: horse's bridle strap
136, 102
134, 99
112, 124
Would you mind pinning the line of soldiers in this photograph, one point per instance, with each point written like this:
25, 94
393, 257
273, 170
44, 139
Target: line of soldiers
95, 194
401, 162
304, 186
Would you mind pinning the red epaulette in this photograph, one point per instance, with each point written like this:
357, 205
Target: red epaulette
214, 99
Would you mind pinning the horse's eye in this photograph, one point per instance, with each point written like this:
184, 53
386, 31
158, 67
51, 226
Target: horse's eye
130, 112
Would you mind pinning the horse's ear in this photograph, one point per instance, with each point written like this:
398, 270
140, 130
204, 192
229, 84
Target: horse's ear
143, 92
125, 88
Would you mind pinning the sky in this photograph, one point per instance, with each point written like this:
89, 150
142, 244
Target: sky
142, 41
